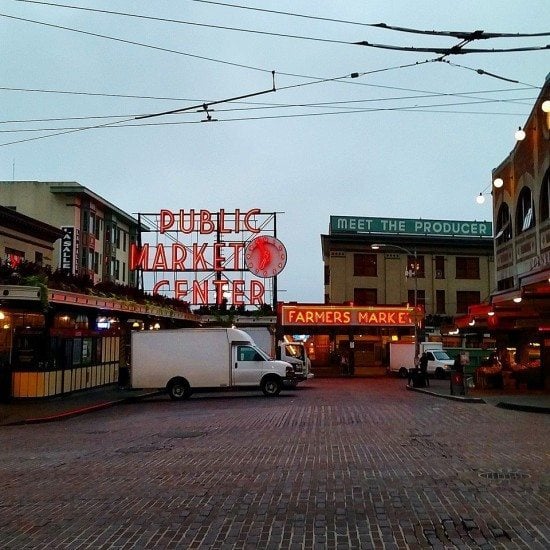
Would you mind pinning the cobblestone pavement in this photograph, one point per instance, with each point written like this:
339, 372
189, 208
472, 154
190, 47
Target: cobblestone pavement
336, 463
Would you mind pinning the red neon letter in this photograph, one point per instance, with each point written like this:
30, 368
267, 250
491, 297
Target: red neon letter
180, 290
159, 263
138, 258
191, 225
159, 284
206, 223
219, 290
247, 217
218, 258
198, 256
200, 292
238, 292
237, 249
257, 291
179, 254
166, 220
221, 223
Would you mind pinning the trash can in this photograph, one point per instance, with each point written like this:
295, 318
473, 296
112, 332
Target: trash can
457, 383
417, 378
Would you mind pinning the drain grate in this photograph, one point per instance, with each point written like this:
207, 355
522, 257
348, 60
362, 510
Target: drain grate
504, 475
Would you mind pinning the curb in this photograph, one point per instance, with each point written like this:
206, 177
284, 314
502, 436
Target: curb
463, 398
524, 408
83, 410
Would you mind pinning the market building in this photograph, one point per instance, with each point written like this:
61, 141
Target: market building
518, 312
390, 279
68, 303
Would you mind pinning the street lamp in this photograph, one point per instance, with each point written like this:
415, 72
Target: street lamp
408, 273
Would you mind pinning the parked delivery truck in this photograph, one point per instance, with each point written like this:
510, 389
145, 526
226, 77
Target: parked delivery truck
183, 360
291, 352
402, 358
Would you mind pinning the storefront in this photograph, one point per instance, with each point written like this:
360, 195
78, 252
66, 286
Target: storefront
347, 339
71, 341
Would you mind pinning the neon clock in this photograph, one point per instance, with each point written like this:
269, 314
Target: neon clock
265, 256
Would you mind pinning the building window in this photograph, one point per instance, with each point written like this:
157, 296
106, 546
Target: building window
123, 272
92, 223
545, 197
365, 296
96, 262
115, 266
467, 267
327, 275
365, 265
465, 298
117, 238
417, 262
85, 221
525, 215
98, 225
124, 240
420, 297
440, 301
440, 267
38, 258
504, 225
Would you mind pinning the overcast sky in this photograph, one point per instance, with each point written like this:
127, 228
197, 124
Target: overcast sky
407, 138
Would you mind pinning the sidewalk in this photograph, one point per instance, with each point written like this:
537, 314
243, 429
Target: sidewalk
527, 401
35, 411
60, 408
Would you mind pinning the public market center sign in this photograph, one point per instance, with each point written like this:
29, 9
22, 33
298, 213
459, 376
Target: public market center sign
225, 254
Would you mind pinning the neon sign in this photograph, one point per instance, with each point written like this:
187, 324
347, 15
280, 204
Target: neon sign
220, 249
346, 315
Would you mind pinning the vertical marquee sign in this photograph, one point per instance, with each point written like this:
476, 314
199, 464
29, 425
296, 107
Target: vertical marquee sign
204, 257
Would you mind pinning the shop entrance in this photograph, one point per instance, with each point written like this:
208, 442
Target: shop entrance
347, 340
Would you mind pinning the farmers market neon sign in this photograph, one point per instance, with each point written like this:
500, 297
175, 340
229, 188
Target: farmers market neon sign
352, 316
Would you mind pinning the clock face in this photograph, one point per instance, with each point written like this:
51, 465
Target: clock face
265, 256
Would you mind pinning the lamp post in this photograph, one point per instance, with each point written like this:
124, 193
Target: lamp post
408, 273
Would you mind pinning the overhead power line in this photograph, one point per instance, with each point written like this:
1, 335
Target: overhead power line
454, 34
131, 122
454, 50
254, 106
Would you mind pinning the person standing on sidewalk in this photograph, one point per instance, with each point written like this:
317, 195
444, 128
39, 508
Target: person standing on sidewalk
423, 364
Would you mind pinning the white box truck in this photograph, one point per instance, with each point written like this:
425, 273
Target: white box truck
183, 360
292, 352
402, 358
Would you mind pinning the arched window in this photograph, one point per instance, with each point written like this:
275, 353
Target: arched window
545, 197
525, 214
504, 225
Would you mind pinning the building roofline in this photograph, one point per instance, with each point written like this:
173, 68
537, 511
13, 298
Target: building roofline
75, 188
26, 224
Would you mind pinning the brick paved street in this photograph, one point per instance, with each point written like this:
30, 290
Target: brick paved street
337, 463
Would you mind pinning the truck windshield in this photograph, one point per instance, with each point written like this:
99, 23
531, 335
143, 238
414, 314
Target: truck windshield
294, 350
441, 356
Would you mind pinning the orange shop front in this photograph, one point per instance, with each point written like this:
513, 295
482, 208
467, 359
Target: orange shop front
359, 334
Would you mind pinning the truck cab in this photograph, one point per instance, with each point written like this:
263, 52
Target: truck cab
439, 363
295, 354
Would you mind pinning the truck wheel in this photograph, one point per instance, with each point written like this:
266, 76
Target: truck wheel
403, 372
178, 388
439, 373
271, 386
